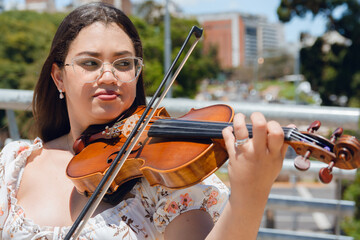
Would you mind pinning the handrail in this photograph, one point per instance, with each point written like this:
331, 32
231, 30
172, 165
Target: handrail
302, 205
349, 118
276, 234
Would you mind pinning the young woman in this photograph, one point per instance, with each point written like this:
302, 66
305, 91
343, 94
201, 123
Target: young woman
93, 76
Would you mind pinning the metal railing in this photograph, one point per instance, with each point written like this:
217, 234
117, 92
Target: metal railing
330, 117
275, 234
298, 114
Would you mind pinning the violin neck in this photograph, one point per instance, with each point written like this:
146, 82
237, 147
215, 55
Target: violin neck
179, 128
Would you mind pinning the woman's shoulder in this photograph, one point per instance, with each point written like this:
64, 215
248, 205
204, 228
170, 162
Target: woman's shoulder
14, 154
13, 149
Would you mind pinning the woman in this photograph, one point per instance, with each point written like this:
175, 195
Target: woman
91, 77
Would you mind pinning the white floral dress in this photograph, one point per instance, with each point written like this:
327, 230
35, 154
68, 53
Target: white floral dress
143, 217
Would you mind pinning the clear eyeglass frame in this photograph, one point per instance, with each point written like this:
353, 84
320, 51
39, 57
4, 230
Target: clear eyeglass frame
92, 67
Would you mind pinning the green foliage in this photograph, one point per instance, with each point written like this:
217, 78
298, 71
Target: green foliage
26, 37
200, 65
330, 70
24, 42
335, 71
289, 9
352, 225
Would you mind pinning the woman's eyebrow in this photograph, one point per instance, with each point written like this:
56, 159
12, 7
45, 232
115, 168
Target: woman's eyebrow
90, 53
122, 53
97, 54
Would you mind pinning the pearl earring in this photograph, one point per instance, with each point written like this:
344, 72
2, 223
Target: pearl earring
61, 95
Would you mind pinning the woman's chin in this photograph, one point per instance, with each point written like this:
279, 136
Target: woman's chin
105, 116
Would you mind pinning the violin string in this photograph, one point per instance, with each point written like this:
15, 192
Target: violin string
208, 123
305, 138
216, 126
295, 135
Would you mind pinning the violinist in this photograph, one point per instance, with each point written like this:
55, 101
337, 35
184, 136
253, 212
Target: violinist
93, 75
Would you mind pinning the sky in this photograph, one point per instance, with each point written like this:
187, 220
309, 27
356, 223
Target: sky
314, 26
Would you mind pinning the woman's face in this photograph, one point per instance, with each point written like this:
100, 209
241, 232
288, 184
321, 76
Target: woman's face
100, 98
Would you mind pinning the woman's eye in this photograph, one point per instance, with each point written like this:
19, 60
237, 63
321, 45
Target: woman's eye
89, 64
122, 64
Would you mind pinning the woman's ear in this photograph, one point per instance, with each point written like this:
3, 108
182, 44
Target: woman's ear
57, 76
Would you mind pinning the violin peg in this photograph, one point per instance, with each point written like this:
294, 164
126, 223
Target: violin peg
337, 133
302, 163
325, 174
314, 126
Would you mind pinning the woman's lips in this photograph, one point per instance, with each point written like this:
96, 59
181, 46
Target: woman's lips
106, 95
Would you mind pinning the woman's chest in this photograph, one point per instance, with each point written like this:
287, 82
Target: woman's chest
47, 195
44, 194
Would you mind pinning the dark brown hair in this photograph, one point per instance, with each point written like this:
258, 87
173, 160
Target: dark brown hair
50, 112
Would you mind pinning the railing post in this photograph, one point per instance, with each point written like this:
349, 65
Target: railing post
13, 128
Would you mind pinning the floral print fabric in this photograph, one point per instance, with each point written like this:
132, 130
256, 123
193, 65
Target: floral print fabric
145, 216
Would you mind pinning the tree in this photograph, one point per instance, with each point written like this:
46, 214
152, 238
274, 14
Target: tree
24, 43
200, 65
336, 71
150, 11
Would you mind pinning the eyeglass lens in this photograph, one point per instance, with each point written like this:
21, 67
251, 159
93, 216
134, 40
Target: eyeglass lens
124, 69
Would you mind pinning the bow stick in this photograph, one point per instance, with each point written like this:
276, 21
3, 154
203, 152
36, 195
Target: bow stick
135, 134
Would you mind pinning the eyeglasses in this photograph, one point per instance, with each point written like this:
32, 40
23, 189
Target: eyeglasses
125, 69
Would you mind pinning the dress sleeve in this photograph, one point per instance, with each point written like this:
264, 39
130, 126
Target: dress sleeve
12, 161
211, 195
7, 156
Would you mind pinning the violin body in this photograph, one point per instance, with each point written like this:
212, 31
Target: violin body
177, 162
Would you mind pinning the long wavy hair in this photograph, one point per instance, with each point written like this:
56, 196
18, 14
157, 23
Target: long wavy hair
50, 112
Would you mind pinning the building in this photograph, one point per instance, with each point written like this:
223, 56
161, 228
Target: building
226, 32
124, 5
241, 38
40, 5
49, 5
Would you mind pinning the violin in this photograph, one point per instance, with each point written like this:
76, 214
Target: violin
180, 152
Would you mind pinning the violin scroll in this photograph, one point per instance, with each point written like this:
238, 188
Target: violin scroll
341, 151
347, 150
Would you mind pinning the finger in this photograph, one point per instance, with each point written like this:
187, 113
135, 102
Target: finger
259, 130
229, 139
240, 130
275, 137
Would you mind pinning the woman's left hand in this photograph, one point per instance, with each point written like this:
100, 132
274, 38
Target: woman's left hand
255, 163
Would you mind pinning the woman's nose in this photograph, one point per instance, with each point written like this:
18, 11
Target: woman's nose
107, 75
